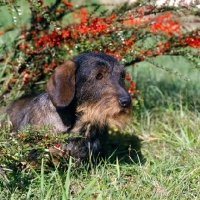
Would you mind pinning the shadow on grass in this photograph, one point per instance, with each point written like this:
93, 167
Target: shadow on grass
124, 147
18, 183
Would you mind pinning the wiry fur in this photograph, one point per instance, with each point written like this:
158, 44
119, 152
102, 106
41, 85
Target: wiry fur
84, 96
102, 114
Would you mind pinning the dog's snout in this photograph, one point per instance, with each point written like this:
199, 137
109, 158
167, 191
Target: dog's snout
125, 101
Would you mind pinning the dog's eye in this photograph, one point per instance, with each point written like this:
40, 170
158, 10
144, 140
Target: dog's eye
99, 76
123, 74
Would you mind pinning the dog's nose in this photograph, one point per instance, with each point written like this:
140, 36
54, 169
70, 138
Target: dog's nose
125, 101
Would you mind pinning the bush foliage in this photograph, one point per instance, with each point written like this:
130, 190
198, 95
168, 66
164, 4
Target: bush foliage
38, 36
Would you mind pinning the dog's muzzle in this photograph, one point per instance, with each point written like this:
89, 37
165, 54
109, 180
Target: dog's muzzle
125, 101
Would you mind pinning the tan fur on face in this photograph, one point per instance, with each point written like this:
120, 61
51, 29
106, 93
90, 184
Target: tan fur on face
105, 112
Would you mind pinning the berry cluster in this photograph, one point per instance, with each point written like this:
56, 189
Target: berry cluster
50, 39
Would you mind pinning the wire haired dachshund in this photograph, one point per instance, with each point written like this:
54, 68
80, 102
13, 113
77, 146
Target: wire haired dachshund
85, 95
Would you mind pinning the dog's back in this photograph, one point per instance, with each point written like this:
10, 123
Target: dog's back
36, 111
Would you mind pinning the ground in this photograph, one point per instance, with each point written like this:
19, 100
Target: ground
157, 157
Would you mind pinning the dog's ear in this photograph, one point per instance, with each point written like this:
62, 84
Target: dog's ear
61, 85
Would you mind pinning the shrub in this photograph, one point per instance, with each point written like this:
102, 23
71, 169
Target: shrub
59, 31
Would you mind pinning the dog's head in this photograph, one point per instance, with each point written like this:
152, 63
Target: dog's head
96, 84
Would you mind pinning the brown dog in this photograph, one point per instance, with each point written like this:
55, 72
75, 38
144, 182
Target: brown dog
85, 95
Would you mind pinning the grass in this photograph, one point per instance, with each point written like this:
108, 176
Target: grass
156, 158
